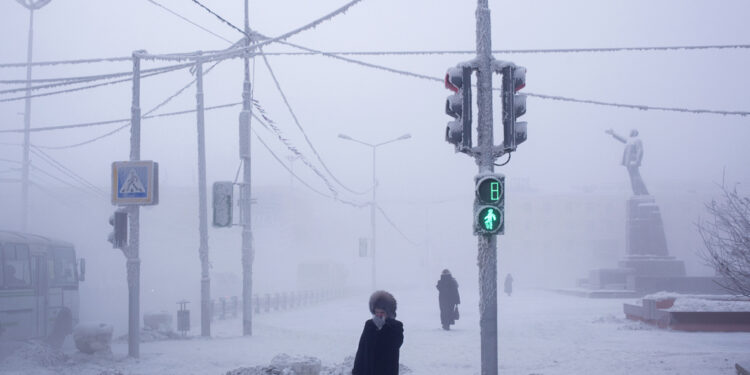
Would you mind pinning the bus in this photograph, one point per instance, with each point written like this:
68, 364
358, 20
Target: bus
39, 279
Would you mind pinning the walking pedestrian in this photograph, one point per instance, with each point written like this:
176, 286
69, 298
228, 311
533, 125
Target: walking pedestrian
448, 299
508, 287
381, 339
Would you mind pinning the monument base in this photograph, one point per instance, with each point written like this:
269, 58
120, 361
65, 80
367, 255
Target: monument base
662, 266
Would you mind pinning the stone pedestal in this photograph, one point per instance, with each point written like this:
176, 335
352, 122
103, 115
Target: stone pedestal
644, 230
645, 241
646, 253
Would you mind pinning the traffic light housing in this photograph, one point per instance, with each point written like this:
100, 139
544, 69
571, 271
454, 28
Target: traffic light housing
458, 106
514, 106
222, 203
119, 235
489, 204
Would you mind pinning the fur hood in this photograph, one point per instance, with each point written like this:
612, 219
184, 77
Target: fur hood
383, 300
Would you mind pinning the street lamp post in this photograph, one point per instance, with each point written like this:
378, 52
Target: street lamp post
373, 203
31, 5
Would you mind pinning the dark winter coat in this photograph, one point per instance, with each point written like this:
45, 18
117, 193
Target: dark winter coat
378, 350
448, 297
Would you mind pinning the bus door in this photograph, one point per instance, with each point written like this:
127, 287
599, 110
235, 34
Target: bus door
41, 286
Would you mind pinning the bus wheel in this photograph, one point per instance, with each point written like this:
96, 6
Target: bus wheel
63, 326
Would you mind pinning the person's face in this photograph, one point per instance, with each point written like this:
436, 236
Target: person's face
380, 313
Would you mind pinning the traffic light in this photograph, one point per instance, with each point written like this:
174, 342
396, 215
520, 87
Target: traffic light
458, 106
119, 235
222, 203
514, 106
489, 204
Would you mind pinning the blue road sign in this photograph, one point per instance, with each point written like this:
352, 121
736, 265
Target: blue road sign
135, 183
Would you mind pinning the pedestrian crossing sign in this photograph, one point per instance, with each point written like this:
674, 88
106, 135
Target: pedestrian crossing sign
135, 183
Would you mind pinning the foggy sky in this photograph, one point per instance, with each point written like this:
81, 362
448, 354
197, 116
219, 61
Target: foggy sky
567, 149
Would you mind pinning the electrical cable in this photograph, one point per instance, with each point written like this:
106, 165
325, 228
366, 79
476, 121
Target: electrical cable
67, 171
541, 96
177, 67
446, 52
191, 22
270, 125
388, 219
641, 107
515, 51
506, 162
152, 110
299, 178
66, 62
82, 79
304, 134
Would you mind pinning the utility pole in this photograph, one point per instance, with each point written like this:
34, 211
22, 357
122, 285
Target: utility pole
202, 206
374, 202
132, 253
248, 254
31, 5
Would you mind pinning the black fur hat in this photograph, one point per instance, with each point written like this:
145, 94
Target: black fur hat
383, 300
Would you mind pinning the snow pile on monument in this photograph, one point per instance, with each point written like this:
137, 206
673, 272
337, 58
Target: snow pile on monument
91, 338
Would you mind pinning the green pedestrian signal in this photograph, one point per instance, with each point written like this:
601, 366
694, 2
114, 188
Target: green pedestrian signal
489, 220
489, 205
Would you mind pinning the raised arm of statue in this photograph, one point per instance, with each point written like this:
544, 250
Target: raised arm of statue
616, 136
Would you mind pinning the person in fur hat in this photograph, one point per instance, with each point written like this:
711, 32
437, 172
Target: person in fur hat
381, 338
448, 299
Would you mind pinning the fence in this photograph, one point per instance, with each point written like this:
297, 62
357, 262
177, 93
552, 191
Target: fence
230, 307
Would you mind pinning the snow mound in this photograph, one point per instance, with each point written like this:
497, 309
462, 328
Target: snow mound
93, 337
150, 335
284, 364
34, 353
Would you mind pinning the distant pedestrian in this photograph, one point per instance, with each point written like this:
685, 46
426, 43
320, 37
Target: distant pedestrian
381, 338
448, 298
508, 284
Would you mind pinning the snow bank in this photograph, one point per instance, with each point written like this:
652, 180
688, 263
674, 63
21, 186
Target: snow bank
284, 364
698, 302
93, 337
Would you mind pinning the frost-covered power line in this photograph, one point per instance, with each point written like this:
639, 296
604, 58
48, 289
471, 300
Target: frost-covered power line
338, 199
89, 78
189, 21
304, 134
641, 107
517, 51
177, 67
388, 219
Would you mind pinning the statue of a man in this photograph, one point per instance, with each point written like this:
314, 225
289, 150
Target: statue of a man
631, 159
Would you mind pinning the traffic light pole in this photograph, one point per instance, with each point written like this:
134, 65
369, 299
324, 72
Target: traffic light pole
248, 253
202, 206
487, 244
133, 262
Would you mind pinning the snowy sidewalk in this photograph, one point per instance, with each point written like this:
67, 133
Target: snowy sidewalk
540, 333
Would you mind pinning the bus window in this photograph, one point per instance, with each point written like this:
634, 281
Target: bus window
16, 268
64, 266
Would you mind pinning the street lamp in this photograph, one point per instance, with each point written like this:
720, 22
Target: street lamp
373, 203
31, 5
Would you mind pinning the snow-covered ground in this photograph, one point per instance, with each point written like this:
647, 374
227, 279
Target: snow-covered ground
540, 333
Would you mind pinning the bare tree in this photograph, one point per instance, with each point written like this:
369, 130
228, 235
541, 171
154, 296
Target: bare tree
726, 235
